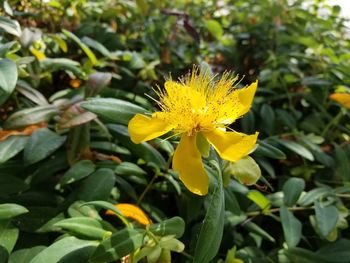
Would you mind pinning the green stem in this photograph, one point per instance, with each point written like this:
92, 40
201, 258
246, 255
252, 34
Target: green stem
343, 195
147, 189
275, 210
150, 234
333, 122
187, 255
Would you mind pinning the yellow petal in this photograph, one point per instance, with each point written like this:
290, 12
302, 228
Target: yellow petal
342, 98
231, 146
142, 128
37, 53
188, 162
237, 104
246, 96
133, 212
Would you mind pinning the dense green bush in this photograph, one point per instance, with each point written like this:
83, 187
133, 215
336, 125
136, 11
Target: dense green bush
72, 75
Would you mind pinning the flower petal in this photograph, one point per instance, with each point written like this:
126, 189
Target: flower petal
231, 146
143, 128
188, 162
237, 104
342, 98
246, 96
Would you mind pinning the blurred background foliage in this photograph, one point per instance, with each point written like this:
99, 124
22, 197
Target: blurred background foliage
73, 73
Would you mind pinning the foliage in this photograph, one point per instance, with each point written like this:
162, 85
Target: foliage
73, 73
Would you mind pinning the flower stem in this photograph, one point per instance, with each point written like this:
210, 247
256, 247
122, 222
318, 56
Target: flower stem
333, 122
147, 189
275, 210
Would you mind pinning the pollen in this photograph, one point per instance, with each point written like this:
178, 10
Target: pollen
200, 102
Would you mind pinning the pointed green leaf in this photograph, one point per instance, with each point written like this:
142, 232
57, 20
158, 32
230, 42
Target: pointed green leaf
84, 47
8, 211
8, 78
61, 248
117, 246
77, 172
326, 218
114, 110
291, 227
292, 190
11, 146
41, 144
211, 230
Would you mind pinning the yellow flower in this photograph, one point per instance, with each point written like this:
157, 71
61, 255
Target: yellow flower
342, 98
199, 109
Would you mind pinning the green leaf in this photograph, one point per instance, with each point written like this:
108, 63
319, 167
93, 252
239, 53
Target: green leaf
254, 228
298, 149
336, 252
109, 147
77, 172
49, 167
80, 255
143, 6
314, 81
84, 227
97, 186
286, 118
8, 78
245, 170
96, 82
173, 226
313, 195
25, 255
292, 190
211, 230
343, 165
8, 210
266, 149
9, 47
57, 64
4, 255
259, 199
84, 47
114, 110
154, 254
11, 146
214, 28
10, 26
61, 248
78, 142
74, 116
268, 115
8, 234
41, 144
302, 255
117, 246
30, 116
104, 205
78, 209
97, 46
142, 150
291, 227
169, 242
126, 168
267, 166
326, 218
34, 95
11, 185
